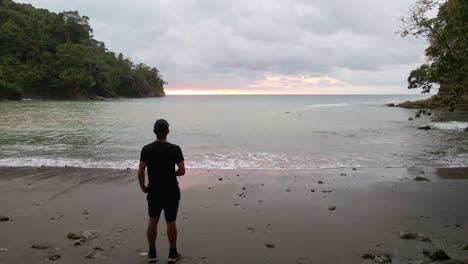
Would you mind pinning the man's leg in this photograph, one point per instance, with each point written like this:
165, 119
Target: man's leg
152, 231
172, 234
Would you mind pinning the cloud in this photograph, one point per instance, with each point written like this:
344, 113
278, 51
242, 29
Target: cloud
241, 45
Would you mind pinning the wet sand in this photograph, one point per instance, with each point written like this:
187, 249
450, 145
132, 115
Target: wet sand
229, 216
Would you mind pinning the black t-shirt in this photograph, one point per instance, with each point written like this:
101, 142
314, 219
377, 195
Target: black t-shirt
160, 159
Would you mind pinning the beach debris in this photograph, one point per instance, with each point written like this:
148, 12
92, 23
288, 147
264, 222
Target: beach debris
3, 249
379, 258
89, 234
332, 208
320, 182
270, 245
4, 218
85, 212
435, 254
54, 257
40, 246
73, 235
143, 254
92, 254
403, 234
419, 178
425, 128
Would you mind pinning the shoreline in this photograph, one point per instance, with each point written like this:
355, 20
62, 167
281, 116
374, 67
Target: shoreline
229, 216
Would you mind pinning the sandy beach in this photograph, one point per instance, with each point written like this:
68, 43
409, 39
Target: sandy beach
237, 216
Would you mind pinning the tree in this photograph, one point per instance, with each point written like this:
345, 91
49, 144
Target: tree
447, 54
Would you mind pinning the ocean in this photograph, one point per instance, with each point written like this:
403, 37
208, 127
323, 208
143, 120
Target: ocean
265, 132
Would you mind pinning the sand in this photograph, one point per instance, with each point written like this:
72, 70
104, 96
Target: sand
246, 217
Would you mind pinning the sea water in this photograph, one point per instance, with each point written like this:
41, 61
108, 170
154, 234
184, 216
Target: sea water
233, 132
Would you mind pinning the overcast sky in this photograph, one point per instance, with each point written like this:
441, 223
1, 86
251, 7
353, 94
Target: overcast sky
287, 46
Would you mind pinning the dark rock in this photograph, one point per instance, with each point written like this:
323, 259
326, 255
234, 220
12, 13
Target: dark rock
54, 257
390, 105
424, 238
99, 248
419, 178
343, 174
332, 208
220, 179
465, 247
425, 128
383, 259
40, 246
73, 235
312, 190
368, 256
128, 168
270, 245
3, 249
435, 254
466, 129
407, 235
4, 218
354, 169
92, 254
320, 182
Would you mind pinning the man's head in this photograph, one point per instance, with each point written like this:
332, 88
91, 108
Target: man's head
161, 128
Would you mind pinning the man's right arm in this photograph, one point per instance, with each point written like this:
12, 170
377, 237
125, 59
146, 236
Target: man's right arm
180, 169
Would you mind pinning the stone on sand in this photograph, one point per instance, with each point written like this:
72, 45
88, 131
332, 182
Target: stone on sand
54, 257
40, 246
269, 245
332, 208
4, 218
92, 254
419, 178
89, 234
73, 235
435, 254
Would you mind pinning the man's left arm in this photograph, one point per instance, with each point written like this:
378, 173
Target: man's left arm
141, 176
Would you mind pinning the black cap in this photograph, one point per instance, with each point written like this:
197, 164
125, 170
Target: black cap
161, 125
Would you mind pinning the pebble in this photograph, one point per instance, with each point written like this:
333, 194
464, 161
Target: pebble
320, 182
419, 178
4, 218
40, 246
220, 179
3, 249
98, 248
332, 208
92, 254
465, 247
435, 254
270, 245
354, 169
89, 234
73, 235
312, 190
343, 174
54, 257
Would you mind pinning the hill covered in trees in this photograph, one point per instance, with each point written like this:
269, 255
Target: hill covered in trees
49, 55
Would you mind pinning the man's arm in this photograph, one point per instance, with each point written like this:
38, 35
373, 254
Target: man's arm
141, 176
180, 169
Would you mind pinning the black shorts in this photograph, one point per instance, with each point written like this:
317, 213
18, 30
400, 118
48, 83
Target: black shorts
170, 207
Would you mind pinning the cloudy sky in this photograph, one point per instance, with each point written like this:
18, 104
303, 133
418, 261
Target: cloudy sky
257, 46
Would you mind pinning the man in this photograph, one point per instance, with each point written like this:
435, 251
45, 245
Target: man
161, 157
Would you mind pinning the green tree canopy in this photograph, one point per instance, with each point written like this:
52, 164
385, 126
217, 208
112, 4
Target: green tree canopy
447, 53
49, 55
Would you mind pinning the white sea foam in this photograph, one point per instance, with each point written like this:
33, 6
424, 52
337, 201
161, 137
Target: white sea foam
454, 125
327, 105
